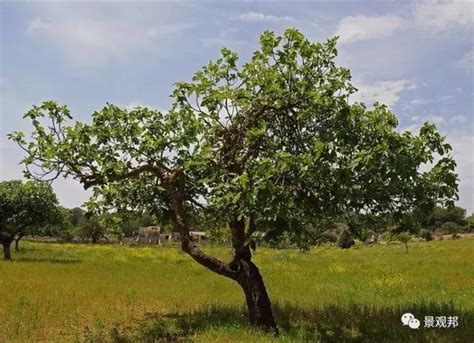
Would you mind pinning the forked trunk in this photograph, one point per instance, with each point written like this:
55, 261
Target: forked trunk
6, 251
258, 303
17, 241
241, 268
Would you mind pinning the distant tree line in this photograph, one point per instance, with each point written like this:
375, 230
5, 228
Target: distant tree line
32, 209
439, 221
93, 227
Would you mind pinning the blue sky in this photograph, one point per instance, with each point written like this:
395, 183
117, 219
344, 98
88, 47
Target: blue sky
417, 58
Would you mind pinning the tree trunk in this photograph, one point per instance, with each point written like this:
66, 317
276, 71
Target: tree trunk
17, 240
241, 268
258, 303
6, 251
406, 248
249, 278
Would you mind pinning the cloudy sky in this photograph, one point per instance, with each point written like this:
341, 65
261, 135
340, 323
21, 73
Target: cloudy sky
416, 57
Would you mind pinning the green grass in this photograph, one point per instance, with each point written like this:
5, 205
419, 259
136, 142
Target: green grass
70, 292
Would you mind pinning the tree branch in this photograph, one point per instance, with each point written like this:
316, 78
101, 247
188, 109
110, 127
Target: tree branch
173, 184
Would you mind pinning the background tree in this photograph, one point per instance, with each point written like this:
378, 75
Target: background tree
25, 208
77, 214
272, 147
92, 229
439, 215
64, 229
470, 223
404, 238
113, 223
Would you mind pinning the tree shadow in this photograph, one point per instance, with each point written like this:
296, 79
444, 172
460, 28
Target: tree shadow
49, 260
356, 323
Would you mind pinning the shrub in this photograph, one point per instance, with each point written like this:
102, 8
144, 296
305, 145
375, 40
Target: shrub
387, 236
345, 240
427, 235
66, 235
328, 236
365, 235
451, 227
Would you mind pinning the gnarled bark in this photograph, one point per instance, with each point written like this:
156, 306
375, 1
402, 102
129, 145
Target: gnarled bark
258, 303
249, 278
241, 268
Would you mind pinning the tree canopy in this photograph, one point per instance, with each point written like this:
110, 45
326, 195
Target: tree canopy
25, 208
270, 145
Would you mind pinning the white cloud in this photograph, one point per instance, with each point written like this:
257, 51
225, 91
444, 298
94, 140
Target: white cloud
438, 120
260, 17
419, 101
412, 128
441, 16
88, 40
446, 99
458, 119
359, 28
223, 40
385, 92
37, 24
467, 61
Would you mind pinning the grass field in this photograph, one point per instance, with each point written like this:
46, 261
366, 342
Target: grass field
71, 292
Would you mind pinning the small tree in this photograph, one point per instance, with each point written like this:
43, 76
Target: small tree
272, 147
77, 214
404, 238
25, 208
